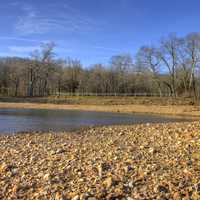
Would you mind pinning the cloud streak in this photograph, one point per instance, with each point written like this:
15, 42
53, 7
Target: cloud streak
21, 39
23, 49
48, 20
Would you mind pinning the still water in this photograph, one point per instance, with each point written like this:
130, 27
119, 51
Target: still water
22, 120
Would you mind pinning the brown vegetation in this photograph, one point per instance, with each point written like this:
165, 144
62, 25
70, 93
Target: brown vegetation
170, 69
152, 105
102, 100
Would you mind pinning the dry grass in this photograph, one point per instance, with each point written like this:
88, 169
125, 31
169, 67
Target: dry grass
102, 100
175, 110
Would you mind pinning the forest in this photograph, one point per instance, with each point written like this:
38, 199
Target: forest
170, 68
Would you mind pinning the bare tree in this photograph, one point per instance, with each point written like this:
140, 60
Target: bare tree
121, 64
41, 68
148, 57
168, 55
171, 67
192, 49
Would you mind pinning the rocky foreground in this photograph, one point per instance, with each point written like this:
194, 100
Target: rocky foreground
160, 161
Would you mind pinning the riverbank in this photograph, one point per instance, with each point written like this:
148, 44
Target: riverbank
160, 161
168, 110
102, 100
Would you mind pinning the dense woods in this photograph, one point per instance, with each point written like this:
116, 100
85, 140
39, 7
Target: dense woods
171, 68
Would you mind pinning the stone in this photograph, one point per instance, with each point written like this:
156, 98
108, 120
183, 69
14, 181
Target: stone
100, 171
130, 184
108, 182
46, 177
77, 197
92, 198
60, 151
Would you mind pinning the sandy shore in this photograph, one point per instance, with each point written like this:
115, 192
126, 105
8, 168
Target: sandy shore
175, 110
160, 161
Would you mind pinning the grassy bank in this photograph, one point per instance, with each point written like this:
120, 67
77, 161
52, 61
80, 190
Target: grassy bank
101, 100
151, 105
159, 161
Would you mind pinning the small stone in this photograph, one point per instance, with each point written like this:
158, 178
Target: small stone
3, 167
121, 133
115, 158
59, 197
76, 197
14, 171
127, 168
163, 189
92, 198
84, 196
100, 171
46, 177
80, 174
52, 152
60, 151
176, 196
108, 182
152, 150
130, 184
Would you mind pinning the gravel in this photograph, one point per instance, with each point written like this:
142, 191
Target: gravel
150, 161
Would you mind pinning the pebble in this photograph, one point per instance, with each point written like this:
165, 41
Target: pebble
145, 162
77, 197
108, 182
46, 177
130, 184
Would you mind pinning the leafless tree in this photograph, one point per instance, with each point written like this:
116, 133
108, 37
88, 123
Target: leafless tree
148, 57
168, 55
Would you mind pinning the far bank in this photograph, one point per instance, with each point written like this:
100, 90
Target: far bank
150, 105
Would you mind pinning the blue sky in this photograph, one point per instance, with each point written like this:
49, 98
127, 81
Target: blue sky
92, 30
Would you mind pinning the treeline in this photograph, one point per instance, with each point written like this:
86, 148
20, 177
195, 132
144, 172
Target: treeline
170, 68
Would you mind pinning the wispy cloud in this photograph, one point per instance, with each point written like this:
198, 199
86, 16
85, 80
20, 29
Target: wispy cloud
23, 49
22, 39
112, 50
34, 20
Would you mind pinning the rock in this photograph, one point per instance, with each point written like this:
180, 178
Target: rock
92, 198
118, 192
152, 150
108, 182
84, 196
127, 168
80, 174
121, 133
47, 177
163, 189
77, 197
130, 184
100, 171
88, 171
52, 152
14, 171
60, 151
176, 196
59, 197
3, 167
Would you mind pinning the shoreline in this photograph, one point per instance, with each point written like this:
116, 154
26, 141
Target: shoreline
179, 111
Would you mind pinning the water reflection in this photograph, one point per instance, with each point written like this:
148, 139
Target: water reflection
19, 120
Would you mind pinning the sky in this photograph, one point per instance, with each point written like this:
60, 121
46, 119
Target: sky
92, 30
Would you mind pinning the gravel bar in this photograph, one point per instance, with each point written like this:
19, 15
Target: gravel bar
149, 161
